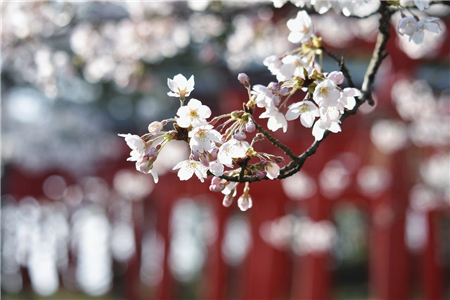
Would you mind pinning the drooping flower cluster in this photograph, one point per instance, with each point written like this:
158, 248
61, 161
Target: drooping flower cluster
224, 146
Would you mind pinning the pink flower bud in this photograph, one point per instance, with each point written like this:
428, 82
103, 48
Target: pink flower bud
240, 136
155, 127
227, 200
243, 78
213, 154
260, 174
284, 91
215, 180
279, 159
250, 127
259, 136
336, 76
245, 201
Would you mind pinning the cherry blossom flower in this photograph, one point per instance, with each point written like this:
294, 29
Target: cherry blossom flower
264, 96
273, 63
415, 29
347, 98
292, 66
306, 110
322, 125
180, 86
203, 138
232, 149
136, 144
420, 4
301, 28
276, 119
326, 93
194, 113
189, 167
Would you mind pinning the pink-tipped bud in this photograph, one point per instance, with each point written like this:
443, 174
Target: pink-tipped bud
250, 127
260, 174
216, 188
336, 76
243, 78
263, 163
213, 154
227, 200
259, 137
215, 180
279, 159
240, 136
284, 91
204, 160
273, 86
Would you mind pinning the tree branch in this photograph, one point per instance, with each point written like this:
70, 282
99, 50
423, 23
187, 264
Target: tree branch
379, 54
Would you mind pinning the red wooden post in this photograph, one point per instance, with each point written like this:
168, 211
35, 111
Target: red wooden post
432, 274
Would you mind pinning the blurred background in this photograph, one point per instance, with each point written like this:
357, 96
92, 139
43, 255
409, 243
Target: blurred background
366, 218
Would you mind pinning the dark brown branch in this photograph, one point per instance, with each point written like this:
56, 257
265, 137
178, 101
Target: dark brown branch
275, 141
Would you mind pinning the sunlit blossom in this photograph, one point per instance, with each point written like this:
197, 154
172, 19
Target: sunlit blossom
180, 86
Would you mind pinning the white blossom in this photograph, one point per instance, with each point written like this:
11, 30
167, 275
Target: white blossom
264, 96
301, 28
306, 110
322, 125
194, 113
136, 144
293, 66
326, 93
416, 29
203, 138
232, 149
276, 119
180, 86
273, 63
189, 168
348, 97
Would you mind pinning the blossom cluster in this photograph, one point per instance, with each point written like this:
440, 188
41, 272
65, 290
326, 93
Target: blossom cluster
224, 146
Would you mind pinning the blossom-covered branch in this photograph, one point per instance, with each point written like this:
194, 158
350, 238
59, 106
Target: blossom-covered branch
226, 146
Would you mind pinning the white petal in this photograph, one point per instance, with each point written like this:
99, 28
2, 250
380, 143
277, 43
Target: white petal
185, 173
204, 111
172, 85
307, 120
194, 104
318, 131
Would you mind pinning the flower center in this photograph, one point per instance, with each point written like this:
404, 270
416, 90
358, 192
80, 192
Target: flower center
193, 114
304, 108
201, 135
324, 91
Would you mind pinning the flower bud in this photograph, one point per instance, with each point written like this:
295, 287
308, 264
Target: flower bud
259, 137
260, 174
245, 201
279, 159
243, 78
216, 187
263, 162
240, 136
215, 180
250, 127
227, 200
155, 127
336, 76
284, 91
213, 154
